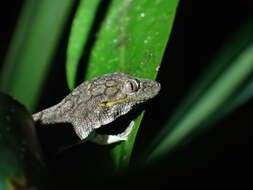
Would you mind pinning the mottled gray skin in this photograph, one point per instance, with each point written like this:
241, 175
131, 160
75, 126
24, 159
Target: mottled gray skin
98, 102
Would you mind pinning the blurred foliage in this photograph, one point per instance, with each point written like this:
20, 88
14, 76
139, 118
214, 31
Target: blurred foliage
21, 165
214, 95
34, 42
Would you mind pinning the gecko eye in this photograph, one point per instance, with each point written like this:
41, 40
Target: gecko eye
131, 86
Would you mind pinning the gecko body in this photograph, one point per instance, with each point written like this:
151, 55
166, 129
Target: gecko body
97, 102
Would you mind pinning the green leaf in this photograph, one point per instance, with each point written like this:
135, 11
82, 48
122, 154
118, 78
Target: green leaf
20, 161
32, 47
131, 39
221, 89
80, 30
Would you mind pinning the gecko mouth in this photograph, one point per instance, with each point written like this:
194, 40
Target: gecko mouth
110, 103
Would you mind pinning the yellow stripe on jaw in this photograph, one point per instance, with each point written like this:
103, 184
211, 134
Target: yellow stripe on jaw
115, 101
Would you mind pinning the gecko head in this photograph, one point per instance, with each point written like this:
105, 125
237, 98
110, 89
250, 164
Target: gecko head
119, 93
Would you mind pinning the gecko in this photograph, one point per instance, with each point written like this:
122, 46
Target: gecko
100, 101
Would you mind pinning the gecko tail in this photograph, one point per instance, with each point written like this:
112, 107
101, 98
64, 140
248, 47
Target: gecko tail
47, 116
37, 117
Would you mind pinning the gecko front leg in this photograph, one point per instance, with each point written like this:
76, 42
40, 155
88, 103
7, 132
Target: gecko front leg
110, 139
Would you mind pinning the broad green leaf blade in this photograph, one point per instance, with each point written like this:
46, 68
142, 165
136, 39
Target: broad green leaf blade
80, 30
32, 48
131, 39
122, 153
20, 161
216, 96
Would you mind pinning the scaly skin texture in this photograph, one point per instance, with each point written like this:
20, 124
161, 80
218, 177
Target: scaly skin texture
98, 102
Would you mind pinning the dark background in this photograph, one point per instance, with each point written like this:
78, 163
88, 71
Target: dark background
200, 29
